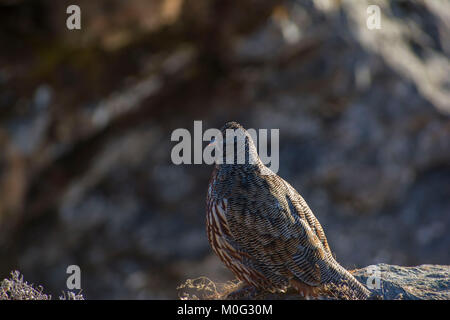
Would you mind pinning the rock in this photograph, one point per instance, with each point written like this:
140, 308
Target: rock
386, 282
424, 282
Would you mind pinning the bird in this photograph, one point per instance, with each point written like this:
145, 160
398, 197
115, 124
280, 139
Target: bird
262, 229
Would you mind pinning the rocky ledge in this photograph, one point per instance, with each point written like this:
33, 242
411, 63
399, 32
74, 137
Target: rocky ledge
424, 282
387, 282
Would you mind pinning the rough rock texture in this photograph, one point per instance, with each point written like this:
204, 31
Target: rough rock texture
425, 282
86, 118
386, 282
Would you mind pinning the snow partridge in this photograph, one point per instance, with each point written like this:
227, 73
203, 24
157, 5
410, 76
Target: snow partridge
261, 227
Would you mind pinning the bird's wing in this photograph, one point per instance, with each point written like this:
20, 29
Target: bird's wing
298, 206
267, 221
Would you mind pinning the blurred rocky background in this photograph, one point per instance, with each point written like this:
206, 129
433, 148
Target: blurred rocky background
86, 118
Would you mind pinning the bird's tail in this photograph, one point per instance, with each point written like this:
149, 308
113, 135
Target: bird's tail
338, 275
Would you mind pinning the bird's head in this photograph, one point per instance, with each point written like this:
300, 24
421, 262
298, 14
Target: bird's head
236, 145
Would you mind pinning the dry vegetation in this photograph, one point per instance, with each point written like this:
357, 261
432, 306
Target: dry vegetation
15, 288
203, 288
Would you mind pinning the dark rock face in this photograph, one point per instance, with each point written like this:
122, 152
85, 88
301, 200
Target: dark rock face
85, 122
425, 282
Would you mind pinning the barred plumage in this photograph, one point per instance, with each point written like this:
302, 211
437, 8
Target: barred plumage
263, 230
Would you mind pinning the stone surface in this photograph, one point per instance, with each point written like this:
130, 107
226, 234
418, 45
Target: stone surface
424, 282
386, 282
